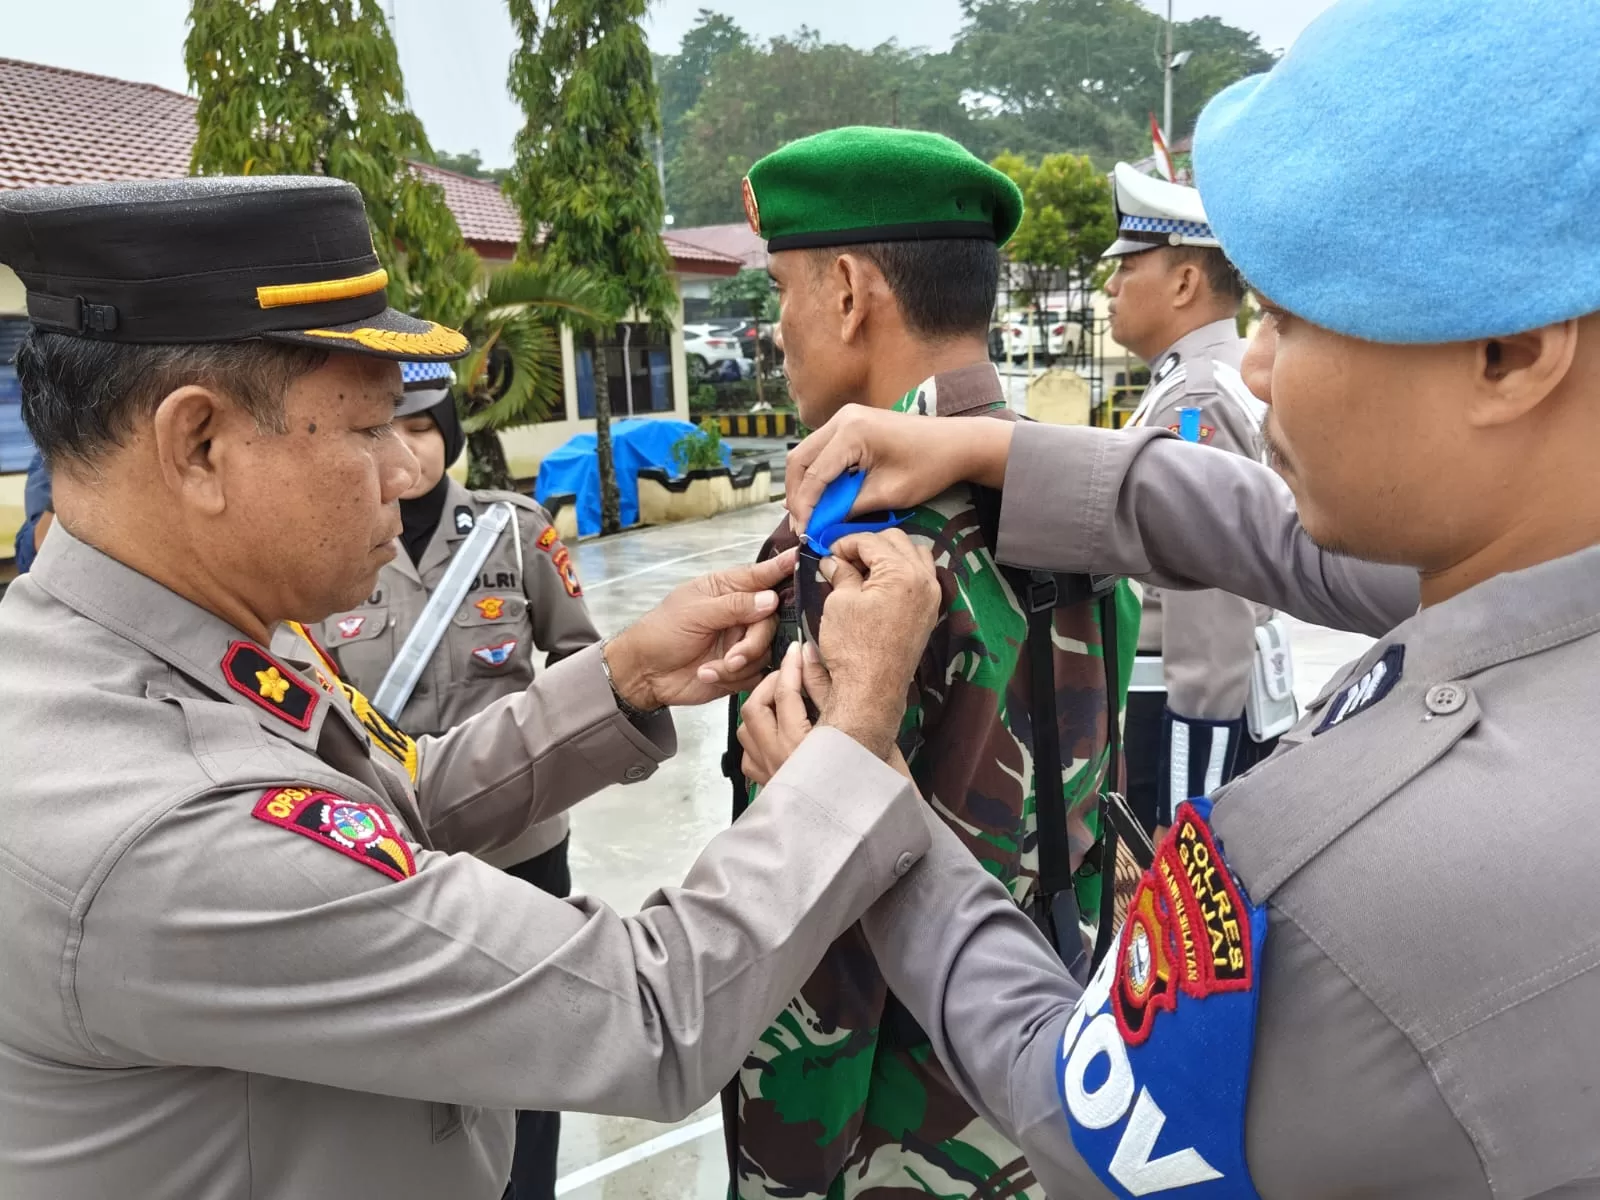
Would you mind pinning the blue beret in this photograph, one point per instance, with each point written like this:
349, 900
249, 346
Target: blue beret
1417, 170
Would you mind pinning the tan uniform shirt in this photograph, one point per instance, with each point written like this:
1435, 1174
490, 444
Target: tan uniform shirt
525, 595
244, 962
1422, 842
1206, 638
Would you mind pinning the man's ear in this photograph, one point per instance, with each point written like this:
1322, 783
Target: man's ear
187, 421
1513, 375
1186, 284
863, 292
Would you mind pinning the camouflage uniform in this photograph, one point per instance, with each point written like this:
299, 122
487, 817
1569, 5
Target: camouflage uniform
842, 1097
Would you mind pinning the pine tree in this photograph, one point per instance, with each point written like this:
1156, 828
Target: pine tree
585, 175
313, 87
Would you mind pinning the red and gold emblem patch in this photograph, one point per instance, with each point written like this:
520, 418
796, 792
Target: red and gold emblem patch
490, 608
562, 559
1207, 432
548, 538
1188, 930
356, 830
752, 210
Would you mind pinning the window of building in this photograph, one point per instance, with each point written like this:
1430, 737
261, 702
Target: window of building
16, 447
649, 365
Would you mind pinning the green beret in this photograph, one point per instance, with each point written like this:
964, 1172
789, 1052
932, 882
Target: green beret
863, 184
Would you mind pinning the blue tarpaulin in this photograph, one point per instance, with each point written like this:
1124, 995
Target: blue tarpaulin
635, 444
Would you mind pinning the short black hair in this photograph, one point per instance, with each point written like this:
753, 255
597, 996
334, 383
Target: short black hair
945, 287
1221, 275
82, 397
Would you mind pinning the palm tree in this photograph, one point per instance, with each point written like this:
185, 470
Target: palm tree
512, 317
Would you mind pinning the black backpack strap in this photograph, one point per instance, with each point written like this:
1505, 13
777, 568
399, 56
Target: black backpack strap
1111, 792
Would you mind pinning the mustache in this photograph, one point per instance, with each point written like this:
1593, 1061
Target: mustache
1272, 447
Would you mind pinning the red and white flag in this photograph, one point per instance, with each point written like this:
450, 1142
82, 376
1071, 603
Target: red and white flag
1158, 140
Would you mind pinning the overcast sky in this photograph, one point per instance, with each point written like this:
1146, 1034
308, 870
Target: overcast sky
454, 52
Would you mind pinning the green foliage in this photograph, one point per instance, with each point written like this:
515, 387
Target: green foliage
748, 292
470, 163
703, 398
1033, 76
740, 395
683, 76
585, 173
585, 167
756, 99
1068, 219
700, 450
313, 87
513, 374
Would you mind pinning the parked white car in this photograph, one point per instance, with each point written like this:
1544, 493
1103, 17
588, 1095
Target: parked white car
708, 344
1051, 332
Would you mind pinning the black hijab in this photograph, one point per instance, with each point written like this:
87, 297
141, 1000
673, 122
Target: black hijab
420, 517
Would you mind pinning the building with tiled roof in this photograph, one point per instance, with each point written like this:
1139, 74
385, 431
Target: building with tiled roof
59, 126
736, 240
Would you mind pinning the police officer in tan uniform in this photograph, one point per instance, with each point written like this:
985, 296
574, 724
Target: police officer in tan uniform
523, 596
1173, 301
249, 950
1369, 966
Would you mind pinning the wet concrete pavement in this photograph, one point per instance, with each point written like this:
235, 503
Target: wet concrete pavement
626, 842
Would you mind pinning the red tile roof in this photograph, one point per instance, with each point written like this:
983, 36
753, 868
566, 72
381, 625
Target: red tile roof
481, 208
737, 240
697, 259
59, 126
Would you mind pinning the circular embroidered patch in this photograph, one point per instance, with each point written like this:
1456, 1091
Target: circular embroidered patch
352, 822
752, 210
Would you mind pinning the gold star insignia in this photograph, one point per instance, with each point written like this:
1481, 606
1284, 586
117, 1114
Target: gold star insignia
273, 685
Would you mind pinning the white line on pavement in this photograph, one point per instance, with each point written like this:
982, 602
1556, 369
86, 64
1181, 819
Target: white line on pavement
671, 562
635, 1154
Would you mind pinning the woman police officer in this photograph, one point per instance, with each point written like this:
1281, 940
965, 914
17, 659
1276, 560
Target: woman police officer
524, 595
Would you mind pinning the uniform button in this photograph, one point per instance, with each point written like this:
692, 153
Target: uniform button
1446, 698
904, 863
635, 773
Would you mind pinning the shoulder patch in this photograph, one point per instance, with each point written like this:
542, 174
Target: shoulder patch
1361, 695
548, 538
1207, 432
1154, 1066
254, 673
360, 831
562, 559
465, 519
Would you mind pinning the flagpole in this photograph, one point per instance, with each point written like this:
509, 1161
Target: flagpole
1166, 109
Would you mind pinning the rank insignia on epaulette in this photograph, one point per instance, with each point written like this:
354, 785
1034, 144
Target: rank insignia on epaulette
1207, 432
360, 831
254, 673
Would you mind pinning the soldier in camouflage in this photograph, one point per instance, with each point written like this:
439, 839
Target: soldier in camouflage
884, 248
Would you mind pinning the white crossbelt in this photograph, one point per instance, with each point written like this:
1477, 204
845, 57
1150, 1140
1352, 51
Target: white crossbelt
401, 678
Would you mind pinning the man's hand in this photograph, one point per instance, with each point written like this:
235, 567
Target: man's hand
907, 458
773, 720
707, 639
884, 603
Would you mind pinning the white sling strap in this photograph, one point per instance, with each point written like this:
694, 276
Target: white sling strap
401, 678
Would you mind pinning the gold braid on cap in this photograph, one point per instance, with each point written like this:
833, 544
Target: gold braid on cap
437, 340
